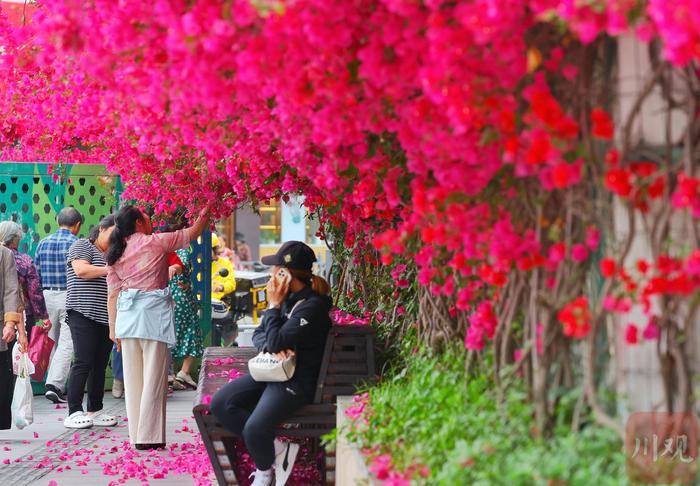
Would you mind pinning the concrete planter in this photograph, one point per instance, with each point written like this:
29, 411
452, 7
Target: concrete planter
351, 469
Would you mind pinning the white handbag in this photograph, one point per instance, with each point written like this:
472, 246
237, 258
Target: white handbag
265, 367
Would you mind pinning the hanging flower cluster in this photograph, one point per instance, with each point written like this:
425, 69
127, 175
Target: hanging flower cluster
576, 318
687, 194
638, 182
666, 276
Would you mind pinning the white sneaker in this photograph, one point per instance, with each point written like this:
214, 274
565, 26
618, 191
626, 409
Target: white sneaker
117, 388
285, 455
102, 419
262, 478
78, 420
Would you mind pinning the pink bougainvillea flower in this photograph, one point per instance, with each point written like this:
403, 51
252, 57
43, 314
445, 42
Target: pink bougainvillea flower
687, 194
579, 253
474, 339
570, 72
356, 412
631, 334
381, 466
557, 252
610, 303
396, 479
651, 331
678, 26
592, 238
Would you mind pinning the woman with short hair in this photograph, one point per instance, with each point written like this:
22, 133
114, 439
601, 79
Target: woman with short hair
86, 273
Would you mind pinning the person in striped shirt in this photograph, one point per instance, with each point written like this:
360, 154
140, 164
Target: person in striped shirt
50, 261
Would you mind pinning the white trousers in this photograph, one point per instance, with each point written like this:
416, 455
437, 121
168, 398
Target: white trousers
145, 389
62, 354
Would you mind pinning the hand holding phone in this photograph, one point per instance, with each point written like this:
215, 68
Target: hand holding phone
278, 286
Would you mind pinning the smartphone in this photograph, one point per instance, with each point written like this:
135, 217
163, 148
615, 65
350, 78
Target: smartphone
282, 274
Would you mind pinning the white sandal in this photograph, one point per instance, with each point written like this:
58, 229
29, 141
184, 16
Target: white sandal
78, 420
104, 420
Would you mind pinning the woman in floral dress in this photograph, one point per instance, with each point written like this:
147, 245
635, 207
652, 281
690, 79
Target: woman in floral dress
189, 335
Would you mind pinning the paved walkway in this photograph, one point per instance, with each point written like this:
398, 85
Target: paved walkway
48, 454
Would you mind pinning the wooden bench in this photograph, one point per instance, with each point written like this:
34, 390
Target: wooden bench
347, 362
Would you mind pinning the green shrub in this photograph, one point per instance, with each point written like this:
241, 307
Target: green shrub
431, 413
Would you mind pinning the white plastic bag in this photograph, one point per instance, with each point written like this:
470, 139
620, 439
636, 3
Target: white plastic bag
22, 414
16, 355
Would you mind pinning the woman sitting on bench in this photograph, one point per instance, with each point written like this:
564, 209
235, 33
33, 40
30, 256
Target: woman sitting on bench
297, 322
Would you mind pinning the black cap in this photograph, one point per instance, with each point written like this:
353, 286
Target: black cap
292, 254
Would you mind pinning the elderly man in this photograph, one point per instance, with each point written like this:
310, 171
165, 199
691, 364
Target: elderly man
11, 311
50, 260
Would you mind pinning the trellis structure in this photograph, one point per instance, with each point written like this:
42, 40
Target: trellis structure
32, 195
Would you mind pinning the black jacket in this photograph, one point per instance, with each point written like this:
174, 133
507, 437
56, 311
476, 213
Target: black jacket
305, 332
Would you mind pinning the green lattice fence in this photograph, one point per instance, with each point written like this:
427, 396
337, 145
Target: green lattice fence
32, 196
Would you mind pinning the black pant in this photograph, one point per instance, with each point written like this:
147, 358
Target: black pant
7, 387
252, 410
91, 349
226, 329
28, 326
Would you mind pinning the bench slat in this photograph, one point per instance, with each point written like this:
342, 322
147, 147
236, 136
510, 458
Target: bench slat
342, 341
348, 368
346, 379
316, 409
339, 390
351, 330
340, 356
